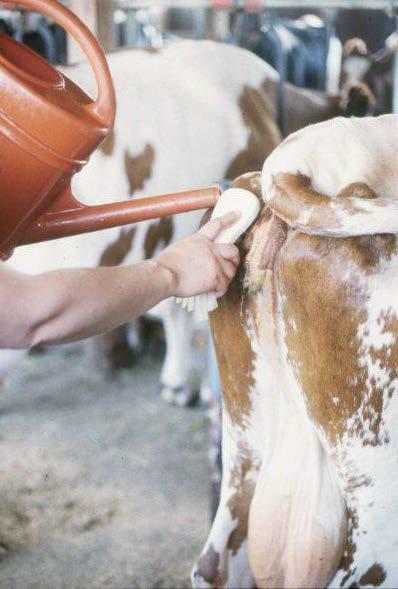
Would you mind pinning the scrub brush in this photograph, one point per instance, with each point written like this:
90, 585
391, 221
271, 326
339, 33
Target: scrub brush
233, 199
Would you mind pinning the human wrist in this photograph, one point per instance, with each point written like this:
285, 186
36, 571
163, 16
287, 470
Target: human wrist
166, 278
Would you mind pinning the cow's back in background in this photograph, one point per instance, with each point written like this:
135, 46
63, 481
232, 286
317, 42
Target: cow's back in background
187, 116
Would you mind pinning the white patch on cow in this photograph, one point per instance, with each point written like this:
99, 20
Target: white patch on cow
173, 100
366, 470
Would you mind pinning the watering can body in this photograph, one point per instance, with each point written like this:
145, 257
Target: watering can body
47, 133
48, 129
48, 126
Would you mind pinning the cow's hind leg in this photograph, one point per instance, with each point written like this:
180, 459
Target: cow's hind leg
178, 327
224, 561
111, 351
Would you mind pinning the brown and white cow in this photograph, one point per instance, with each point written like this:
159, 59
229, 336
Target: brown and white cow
189, 115
375, 70
307, 346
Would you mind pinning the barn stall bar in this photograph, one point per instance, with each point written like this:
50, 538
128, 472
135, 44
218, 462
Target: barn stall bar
102, 466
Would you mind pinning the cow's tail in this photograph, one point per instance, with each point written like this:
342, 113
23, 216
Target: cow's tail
357, 210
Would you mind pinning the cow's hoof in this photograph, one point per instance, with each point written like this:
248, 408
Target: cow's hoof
4, 551
198, 582
180, 396
167, 395
121, 356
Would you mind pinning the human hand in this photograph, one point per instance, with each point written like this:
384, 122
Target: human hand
198, 264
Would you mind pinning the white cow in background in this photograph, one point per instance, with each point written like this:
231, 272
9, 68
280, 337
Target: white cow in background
188, 115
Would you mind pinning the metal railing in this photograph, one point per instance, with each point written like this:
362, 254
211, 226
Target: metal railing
259, 4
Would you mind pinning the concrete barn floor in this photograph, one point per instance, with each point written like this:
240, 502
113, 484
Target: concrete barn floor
102, 484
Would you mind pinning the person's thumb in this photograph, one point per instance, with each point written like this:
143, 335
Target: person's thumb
214, 227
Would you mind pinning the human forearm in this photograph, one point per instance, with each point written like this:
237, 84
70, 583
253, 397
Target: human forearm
67, 305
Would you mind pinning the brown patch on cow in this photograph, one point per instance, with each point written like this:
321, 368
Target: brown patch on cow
322, 314
375, 576
239, 506
235, 361
108, 146
115, 252
139, 168
250, 181
387, 359
298, 204
259, 117
306, 107
356, 99
207, 568
350, 547
111, 350
358, 189
239, 502
292, 194
158, 235
271, 91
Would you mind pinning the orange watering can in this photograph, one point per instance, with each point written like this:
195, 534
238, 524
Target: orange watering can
48, 129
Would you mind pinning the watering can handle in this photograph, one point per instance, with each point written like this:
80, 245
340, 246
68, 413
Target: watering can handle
104, 106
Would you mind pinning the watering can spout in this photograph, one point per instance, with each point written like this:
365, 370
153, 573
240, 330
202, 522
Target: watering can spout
69, 217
